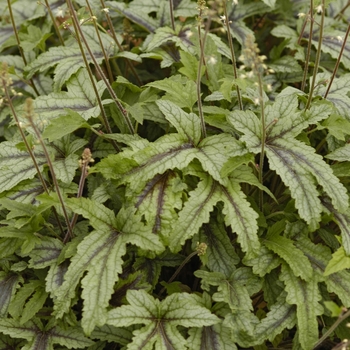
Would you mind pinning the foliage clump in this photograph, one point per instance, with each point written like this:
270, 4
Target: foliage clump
174, 175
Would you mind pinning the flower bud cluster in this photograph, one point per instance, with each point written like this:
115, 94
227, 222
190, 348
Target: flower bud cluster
86, 158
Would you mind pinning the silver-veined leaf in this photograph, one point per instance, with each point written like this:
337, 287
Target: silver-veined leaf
100, 255
319, 256
306, 296
195, 212
187, 125
8, 285
160, 319
220, 254
17, 165
68, 59
294, 257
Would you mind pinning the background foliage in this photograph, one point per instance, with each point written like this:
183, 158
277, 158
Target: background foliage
174, 175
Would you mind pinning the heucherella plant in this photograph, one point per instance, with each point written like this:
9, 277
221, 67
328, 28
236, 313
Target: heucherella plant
174, 174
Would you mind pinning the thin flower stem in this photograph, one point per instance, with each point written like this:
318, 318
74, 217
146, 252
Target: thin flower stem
114, 36
338, 61
341, 12
93, 83
29, 149
233, 56
84, 166
29, 116
303, 27
340, 319
318, 57
108, 66
31, 82
309, 45
98, 68
57, 30
199, 74
171, 11
263, 138
201, 249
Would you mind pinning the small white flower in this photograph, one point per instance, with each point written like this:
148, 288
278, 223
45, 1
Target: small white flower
188, 34
319, 8
234, 2
269, 87
301, 14
256, 100
60, 12
105, 10
340, 38
212, 60
223, 18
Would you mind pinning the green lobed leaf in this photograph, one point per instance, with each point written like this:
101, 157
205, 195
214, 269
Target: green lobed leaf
26, 331
73, 337
159, 201
332, 45
140, 17
280, 317
242, 326
299, 166
237, 14
195, 212
240, 216
166, 38
160, 318
342, 220
190, 66
168, 152
112, 334
294, 257
214, 151
230, 290
151, 268
8, 285
220, 254
64, 125
244, 174
248, 123
216, 337
340, 261
319, 256
285, 120
263, 261
187, 125
306, 296
79, 97
23, 294
16, 165
69, 59
34, 304
100, 254
341, 154
337, 93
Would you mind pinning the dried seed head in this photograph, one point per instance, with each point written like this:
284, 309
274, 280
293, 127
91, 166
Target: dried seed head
86, 158
29, 109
